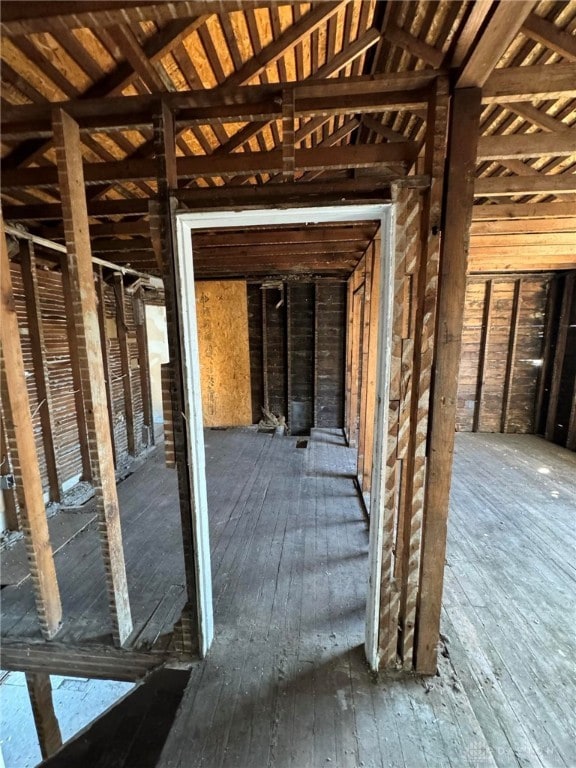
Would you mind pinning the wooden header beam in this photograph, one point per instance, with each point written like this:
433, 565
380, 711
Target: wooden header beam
241, 103
245, 163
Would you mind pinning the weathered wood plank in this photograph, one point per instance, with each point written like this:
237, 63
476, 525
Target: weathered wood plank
79, 259
16, 412
47, 727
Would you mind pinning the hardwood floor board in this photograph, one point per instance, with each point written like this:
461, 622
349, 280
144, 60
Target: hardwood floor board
285, 684
509, 588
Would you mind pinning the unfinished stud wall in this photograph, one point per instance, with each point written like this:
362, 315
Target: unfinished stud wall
502, 352
297, 337
57, 362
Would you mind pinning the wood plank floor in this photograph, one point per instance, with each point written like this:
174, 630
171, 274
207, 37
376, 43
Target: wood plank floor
149, 515
286, 684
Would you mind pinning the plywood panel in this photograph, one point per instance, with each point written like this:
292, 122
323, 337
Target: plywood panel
224, 354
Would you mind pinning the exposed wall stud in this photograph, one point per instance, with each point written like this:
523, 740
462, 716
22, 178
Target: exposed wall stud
79, 261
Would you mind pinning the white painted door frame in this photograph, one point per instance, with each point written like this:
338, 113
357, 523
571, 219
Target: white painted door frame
186, 224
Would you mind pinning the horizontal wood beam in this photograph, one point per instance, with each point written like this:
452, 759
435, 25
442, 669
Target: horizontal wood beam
245, 103
273, 236
502, 186
283, 249
544, 81
248, 163
523, 226
527, 145
19, 19
506, 211
140, 227
96, 208
254, 102
338, 189
528, 241
115, 245
517, 262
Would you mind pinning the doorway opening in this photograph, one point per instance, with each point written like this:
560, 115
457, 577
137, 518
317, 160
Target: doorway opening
188, 226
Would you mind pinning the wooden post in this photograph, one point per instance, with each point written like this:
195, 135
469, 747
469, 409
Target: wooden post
363, 427
559, 354
165, 146
423, 318
355, 360
459, 195
144, 365
509, 377
69, 289
101, 298
47, 726
266, 395
22, 447
348, 372
547, 354
38, 346
484, 344
79, 261
372, 368
125, 361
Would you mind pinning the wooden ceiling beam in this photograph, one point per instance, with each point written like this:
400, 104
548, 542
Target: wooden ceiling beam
502, 186
502, 27
251, 252
464, 43
247, 102
280, 261
523, 226
309, 235
110, 229
546, 81
248, 163
102, 245
548, 34
519, 145
529, 242
505, 211
27, 18
137, 206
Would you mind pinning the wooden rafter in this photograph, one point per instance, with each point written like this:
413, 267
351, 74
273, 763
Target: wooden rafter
547, 33
503, 25
113, 83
